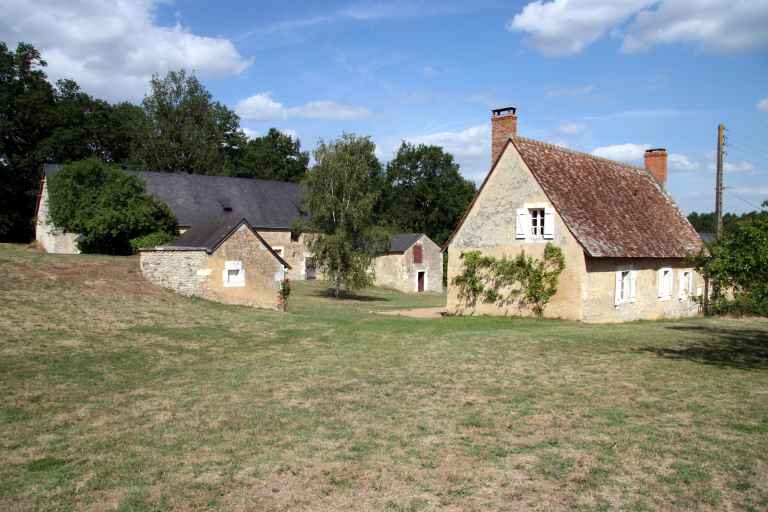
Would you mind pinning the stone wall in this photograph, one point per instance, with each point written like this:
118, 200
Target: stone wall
294, 253
181, 271
49, 237
600, 286
398, 271
201, 274
490, 227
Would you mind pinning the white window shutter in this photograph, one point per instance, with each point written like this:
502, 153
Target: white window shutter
522, 223
662, 284
632, 286
617, 292
549, 223
681, 286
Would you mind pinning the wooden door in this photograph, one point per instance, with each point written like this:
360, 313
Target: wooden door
420, 281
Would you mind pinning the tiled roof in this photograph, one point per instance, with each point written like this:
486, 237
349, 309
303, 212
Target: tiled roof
200, 199
612, 209
401, 242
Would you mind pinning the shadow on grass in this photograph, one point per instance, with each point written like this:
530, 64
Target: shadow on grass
329, 294
735, 347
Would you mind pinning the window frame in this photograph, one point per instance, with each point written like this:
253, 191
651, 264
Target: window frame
666, 290
229, 266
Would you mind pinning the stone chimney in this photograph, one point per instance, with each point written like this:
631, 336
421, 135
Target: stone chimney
656, 164
503, 126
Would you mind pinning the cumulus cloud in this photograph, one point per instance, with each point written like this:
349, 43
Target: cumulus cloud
112, 48
741, 166
622, 152
473, 141
566, 27
762, 105
261, 107
678, 162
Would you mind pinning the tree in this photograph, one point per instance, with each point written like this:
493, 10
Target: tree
107, 207
26, 115
739, 262
275, 156
185, 131
342, 190
426, 193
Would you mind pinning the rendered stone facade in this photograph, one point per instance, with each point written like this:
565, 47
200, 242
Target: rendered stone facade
196, 272
398, 270
295, 253
50, 238
587, 286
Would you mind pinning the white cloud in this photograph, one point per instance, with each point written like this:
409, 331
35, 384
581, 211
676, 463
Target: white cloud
112, 48
741, 166
429, 72
622, 152
720, 25
571, 91
473, 141
762, 105
678, 162
566, 27
568, 128
261, 107
250, 134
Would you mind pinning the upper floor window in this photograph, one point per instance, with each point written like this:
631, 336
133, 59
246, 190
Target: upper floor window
418, 254
535, 222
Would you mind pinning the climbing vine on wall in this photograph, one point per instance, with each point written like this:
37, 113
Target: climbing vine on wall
522, 279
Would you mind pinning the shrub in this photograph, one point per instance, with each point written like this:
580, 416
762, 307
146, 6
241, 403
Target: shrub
107, 207
151, 240
522, 279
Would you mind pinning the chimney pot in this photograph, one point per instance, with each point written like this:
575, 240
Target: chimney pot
656, 164
503, 126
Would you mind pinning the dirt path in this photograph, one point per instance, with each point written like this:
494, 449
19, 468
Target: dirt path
416, 312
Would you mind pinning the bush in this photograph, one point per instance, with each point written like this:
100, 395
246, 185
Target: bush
151, 240
107, 207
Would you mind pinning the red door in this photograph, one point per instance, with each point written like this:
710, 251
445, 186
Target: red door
420, 281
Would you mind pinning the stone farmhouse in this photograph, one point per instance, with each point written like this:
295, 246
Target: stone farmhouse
226, 261
413, 263
624, 240
270, 207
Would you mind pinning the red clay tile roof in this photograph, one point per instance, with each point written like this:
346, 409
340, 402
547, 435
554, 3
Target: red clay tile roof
613, 209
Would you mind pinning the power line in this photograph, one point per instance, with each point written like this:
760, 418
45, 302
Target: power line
750, 203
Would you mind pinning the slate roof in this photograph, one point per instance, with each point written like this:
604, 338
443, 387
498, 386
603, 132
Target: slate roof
209, 236
613, 209
199, 199
401, 242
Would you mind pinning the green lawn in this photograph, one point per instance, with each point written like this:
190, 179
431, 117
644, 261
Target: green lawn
117, 395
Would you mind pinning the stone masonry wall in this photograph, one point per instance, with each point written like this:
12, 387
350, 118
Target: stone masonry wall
181, 271
398, 271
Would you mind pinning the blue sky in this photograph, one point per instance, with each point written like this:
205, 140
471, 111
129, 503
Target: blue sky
606, 76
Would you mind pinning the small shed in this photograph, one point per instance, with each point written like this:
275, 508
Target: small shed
226, 261
413, 264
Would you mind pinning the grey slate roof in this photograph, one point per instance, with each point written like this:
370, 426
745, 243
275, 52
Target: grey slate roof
199, 199
209, 236
401, 242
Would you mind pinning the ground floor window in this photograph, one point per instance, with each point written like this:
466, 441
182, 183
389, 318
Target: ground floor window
665, 283
626, 286
234, 274
686, 285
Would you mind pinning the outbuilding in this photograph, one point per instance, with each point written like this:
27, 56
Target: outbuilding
227, 261
413, 264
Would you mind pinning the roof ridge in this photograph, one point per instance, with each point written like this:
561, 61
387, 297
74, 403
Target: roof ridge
576, 152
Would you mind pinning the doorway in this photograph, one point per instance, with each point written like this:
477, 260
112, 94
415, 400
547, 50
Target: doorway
420, 281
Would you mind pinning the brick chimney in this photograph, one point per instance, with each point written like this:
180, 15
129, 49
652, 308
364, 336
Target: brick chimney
503, 126
656, 164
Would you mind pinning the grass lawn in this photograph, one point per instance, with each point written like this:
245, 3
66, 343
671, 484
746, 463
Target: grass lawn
120, 396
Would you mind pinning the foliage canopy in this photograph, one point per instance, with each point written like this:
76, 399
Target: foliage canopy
108, 208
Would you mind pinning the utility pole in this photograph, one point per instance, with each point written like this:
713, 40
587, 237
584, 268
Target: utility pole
719, 182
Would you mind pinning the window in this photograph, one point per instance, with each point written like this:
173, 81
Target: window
685, 288
626, 286
418, 254
535, 222
665, 283
233, 274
